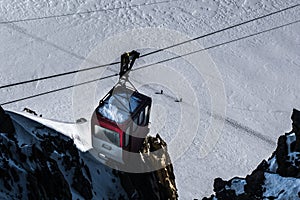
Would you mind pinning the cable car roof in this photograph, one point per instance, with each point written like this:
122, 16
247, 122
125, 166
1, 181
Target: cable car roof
121, 104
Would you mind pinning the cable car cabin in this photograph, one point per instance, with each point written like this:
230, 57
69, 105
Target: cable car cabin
120, 122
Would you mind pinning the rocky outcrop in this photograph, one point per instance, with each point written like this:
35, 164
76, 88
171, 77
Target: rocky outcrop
155, 153
156, 184
283, 165
41, 169
6, 125
39, 163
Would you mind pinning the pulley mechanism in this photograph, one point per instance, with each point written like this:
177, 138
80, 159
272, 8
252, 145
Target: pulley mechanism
127, 61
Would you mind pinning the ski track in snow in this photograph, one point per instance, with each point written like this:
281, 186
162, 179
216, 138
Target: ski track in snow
260, 74
235, 124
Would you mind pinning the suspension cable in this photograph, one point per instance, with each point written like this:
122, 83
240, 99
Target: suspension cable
162, 61
150, 53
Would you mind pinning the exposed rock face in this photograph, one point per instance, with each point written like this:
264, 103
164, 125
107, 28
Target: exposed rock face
283, 166
6, 125
165, 178
155, 185
39, 163
38, 170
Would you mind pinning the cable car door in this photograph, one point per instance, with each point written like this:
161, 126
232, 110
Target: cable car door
107, 142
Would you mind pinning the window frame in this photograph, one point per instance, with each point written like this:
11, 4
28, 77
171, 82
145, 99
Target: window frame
105, 134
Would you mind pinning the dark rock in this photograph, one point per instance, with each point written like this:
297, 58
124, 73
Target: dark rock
281, 155
87, 171
14, 174
81, 120
82, 185
296, 120
30, 111
254, 184
51, 184
158, 184
6, 125
292, 171
226, 195
219, 184
263, 166
222, 191
296, 128
39, 175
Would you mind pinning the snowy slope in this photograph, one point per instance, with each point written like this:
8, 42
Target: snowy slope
72, 130
259, 75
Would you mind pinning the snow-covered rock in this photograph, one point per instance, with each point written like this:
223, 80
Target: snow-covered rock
277, 178
39, 163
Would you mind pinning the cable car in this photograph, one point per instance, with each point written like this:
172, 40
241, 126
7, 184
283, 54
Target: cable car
120, 122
